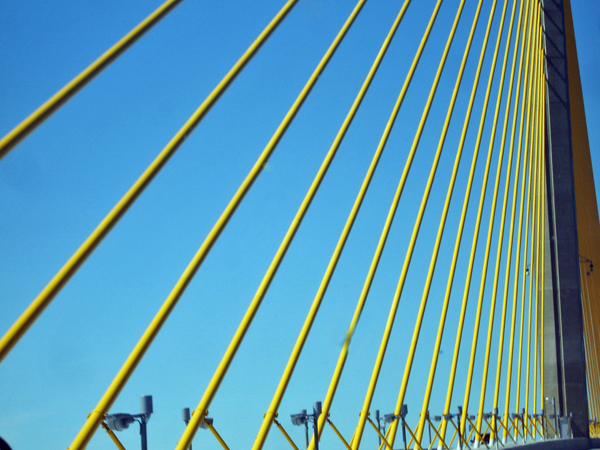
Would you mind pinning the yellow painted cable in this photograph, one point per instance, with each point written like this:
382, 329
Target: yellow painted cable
540, 240
536, 311
525, 50
112, 435
526, 268
153, 328
398, 293
542, 146
418, 324
515, 299
486, 359
541, 109
594, 320
384, 234
283, 383
36, 118
594, 354
594, 347
536, 258
449, 284
321, 292
528, 145
591, 372
531, 273
537, 290
480, 212
587, 338
591, 316
593, 366
285, 435
526, 113
424, 410
244, 325
217, 435
530, 195
36, 308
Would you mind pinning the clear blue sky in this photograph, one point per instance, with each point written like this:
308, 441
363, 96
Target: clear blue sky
60, 182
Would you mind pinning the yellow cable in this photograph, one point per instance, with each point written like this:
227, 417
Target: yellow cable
531, 272
217, 435
480, 212
321, 292
536, 310
383, 237
590, 344
244, 325
285, 435
20, 327
524, 283
539, 268
530, 194
594, 319
594, 353
36, 118
398, 293
541, 132
449, 284
538, 243
587, 338
159, 319
526, 111
283, 383
501, 232
449, 193
528, 144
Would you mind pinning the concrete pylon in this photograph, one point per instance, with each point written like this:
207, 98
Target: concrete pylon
564, 355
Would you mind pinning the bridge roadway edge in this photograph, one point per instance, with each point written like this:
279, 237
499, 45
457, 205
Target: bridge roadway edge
557, 444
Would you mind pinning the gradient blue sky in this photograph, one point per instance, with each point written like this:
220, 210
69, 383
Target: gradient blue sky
60, 182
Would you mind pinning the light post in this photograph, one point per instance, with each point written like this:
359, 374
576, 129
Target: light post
303, 418
378, 419
389, 418
186, 416
121, 421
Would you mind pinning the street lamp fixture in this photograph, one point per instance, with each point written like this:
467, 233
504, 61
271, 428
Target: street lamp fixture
121, 421
389, 418
303, 418
186, 416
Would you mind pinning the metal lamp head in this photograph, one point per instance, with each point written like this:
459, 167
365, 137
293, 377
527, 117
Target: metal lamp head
389, 418
205, 422
185, 415
403, 410
119, 422
146, 405
317, 408
299, 419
